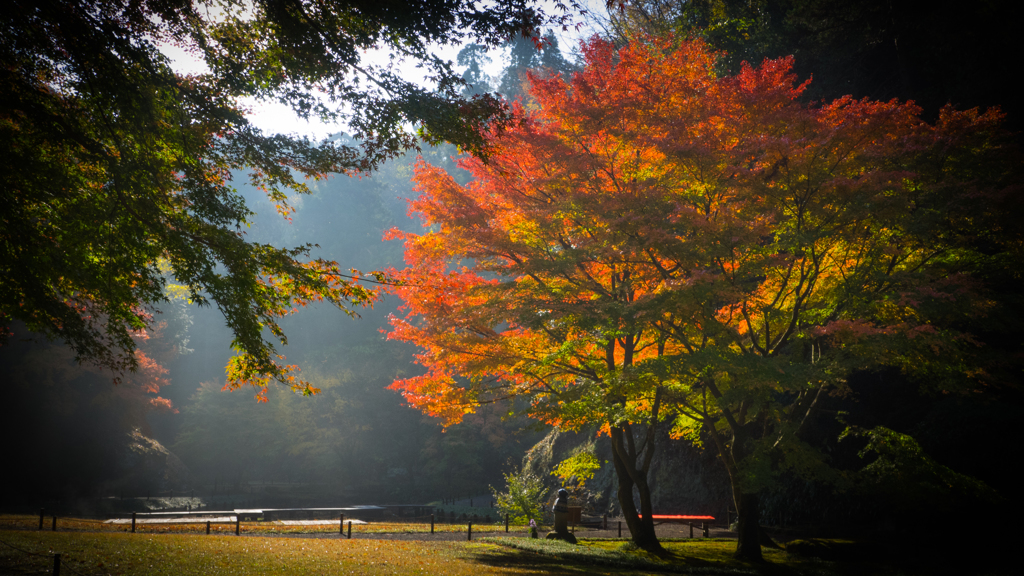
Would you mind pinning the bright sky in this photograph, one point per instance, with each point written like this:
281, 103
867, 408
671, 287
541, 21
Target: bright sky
277, 118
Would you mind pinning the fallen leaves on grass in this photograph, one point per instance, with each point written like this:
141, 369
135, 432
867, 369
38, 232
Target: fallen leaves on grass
177, 554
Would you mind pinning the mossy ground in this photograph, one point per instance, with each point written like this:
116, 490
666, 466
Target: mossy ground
816, 557
690, 556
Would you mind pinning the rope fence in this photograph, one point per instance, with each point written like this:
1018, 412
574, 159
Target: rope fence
55, 560
425, 524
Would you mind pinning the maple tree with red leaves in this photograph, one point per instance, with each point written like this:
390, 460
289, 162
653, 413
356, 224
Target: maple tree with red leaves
657, 243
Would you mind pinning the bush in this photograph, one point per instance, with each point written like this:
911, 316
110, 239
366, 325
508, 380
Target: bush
523, 498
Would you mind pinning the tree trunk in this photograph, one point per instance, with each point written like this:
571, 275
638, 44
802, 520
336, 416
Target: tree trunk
640, 523
748, 505
748, 546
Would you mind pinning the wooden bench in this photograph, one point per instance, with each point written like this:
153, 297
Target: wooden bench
704, 521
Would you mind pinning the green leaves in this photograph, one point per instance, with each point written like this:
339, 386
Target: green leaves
578, 468
898, 465
523, 498
111, 161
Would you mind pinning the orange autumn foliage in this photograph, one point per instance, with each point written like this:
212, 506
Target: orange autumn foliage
650, 209
657, 241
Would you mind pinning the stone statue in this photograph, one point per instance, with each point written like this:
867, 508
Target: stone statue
561, 511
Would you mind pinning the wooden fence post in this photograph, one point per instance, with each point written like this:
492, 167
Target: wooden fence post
56, 565
431, 523
469, 530
506, 522
349, 529
238, 525
691, 529
620, 528
53, 527
341, 525
207, 526
41, 511
133, 522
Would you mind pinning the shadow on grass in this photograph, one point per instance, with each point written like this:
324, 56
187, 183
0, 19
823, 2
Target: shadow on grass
589, 560
532, 562
681, 562
808, 558
907, 556
703, 558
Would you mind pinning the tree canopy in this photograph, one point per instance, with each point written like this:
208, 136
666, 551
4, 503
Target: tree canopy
117, 171
661, 241
932, 52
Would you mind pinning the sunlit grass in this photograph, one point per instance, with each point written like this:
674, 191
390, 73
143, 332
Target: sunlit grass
176, 554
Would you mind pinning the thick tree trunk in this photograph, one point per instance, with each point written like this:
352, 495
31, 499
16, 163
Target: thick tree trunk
640, 522
748, 546
748, 505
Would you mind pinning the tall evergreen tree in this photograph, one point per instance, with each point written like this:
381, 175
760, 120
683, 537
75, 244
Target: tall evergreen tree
474, 57
530, 53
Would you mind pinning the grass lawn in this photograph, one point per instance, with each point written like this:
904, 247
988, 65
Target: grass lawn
183, 554
117, 553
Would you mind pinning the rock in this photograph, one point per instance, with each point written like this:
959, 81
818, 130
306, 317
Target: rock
145, 465
567, 537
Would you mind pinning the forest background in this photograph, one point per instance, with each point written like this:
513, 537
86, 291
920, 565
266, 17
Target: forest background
354, 441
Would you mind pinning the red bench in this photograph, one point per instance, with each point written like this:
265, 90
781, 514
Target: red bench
704, 521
